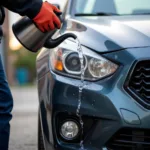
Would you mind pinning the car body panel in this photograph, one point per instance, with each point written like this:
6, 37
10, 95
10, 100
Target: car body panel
106, 34
42, 63
103, 100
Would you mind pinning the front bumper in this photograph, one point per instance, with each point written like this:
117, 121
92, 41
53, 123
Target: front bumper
105, 103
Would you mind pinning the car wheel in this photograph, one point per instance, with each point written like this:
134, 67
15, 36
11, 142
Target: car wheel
40, 136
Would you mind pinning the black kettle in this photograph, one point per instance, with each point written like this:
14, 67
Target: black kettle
33, 39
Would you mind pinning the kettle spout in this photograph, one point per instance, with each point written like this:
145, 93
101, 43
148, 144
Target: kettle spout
52, 43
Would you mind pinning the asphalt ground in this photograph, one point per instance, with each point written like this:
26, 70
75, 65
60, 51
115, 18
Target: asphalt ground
24, 123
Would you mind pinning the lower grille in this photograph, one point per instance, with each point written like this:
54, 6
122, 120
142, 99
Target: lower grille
130, 139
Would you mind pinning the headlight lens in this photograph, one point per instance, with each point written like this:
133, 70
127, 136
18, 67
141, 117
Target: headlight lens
71, 63
101, 68
66, 62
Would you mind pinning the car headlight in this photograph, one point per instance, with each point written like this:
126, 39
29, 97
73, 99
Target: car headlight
66, 62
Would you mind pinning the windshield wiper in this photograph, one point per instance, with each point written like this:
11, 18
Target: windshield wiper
96, 14
106, 14
148, 13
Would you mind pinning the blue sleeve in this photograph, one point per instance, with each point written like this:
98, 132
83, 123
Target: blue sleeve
28, 8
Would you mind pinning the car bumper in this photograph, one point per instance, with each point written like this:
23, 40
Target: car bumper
106, 105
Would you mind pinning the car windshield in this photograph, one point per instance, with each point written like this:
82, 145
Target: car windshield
111, 7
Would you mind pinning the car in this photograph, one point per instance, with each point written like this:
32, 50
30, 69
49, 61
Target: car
114, 111
58, 3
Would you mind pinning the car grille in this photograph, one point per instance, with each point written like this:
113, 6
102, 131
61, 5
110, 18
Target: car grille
139, 83
130, 139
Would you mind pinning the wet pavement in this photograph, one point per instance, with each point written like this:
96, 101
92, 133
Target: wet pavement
24, 123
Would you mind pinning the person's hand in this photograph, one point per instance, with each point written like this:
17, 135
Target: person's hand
46, 19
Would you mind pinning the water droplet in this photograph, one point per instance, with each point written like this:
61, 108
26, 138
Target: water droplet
116, 57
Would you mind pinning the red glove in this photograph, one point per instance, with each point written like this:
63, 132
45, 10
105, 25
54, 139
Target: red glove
46, 19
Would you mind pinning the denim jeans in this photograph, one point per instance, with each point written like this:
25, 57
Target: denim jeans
6, 105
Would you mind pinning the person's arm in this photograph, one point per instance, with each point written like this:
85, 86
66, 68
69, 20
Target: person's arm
42, 13
28, 8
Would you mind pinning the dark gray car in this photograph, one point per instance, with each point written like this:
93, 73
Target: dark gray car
115, 38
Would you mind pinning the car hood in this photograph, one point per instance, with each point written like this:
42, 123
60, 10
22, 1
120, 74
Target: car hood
104, 34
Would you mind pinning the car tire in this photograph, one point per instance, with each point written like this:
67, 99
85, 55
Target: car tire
40, 135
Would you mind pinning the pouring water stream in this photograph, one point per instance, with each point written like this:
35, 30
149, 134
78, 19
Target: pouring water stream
81, 86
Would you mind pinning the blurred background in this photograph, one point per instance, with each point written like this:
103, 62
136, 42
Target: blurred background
20, 68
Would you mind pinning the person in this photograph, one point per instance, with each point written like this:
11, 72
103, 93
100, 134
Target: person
44, 16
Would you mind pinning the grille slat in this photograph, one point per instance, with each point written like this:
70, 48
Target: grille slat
131, 142
143, 68
139, 136
139, 83
121, 145
141, 75
130, 139
143, 89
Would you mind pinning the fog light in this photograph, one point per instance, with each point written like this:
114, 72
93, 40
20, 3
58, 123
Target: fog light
69, 130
